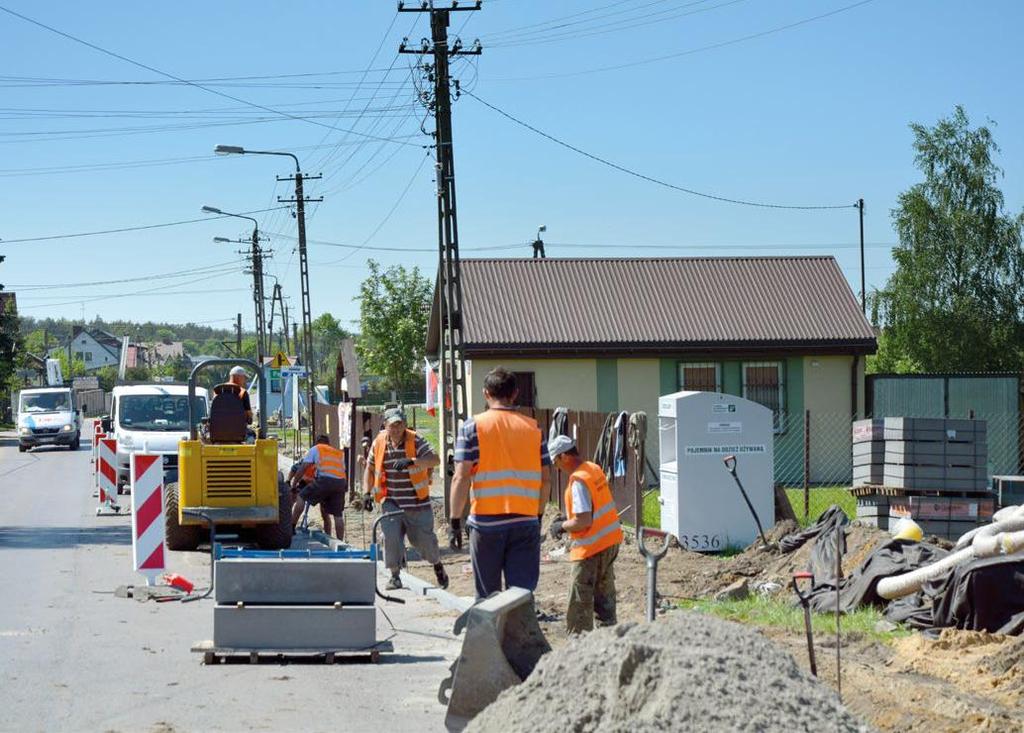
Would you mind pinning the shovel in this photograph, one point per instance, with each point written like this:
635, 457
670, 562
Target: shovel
804, 602
730, 466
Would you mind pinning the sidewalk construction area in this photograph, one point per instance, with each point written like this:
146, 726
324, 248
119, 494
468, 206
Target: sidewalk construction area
88, 645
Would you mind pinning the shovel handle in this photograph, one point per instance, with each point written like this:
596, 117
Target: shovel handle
730, 464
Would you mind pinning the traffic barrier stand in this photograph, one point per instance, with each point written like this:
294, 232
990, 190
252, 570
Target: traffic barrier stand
96, 438
106, 474
147, 482
97, 433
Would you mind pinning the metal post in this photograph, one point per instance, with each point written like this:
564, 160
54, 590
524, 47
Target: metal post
807, 464
257, 289
238, 335
863, 290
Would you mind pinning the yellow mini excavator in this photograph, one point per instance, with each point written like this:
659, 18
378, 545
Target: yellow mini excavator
225, 479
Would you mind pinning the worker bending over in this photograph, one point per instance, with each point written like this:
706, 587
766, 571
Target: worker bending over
503, 455
238, 376
305, 473
593, 526
398, 470
328, 486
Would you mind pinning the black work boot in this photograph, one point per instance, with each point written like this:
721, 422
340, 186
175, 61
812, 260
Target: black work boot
441, 575
394, 583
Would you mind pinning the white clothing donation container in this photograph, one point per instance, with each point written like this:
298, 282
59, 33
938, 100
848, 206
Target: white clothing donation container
700, 502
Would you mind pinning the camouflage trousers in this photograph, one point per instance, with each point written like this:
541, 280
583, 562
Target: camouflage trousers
593, 592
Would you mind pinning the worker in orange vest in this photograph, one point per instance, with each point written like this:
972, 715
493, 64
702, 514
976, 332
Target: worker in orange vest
329, 483
398, 472
502, 454
300, 475
593, 526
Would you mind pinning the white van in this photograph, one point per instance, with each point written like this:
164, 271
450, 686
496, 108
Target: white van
151, 418
48, 416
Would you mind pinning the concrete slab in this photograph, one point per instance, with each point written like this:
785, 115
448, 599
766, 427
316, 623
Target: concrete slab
295, 627
293, 581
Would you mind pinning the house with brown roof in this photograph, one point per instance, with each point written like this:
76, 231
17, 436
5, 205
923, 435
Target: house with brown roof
615, 334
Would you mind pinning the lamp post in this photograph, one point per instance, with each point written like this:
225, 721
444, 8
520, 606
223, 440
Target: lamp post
257, 277
300, 211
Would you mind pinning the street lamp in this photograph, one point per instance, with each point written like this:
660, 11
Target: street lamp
300, 211
257, 273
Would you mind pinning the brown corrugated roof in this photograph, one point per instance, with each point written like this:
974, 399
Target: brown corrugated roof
667, 304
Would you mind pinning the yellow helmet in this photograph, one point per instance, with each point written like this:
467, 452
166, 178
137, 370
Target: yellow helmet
907, 529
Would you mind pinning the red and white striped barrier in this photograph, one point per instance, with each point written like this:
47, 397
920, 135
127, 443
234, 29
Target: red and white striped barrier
106, 474
97, 433
147, 481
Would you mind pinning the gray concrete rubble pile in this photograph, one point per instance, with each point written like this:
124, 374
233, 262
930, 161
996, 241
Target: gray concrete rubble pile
685, 671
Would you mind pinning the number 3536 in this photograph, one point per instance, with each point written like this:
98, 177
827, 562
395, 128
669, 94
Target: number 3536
700, 541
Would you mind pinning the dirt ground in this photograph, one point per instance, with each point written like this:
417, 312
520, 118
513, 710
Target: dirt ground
964, 681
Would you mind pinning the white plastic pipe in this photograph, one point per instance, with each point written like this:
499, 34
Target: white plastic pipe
1010, 522
1005, 537
903, 585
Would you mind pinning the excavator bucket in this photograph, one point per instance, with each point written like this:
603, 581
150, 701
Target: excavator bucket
503, 644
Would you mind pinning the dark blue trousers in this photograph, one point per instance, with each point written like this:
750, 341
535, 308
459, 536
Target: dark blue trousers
512, 552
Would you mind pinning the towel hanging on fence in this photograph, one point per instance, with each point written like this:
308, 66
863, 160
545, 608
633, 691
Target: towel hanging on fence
559, 423
637, 440
603, 451
619, 462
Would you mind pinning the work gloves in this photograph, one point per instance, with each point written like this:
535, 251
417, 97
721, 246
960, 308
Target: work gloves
455, 534
555, 531
402, 464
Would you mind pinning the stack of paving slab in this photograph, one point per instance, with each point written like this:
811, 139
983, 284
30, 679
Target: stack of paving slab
931, 469
294, 601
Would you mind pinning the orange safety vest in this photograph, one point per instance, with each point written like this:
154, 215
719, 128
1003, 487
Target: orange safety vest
507, 478
330, 461
420, 477
604, 530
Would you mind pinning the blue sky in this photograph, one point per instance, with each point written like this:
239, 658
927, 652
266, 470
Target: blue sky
815, 114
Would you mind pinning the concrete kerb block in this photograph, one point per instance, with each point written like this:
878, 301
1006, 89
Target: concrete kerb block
428, 590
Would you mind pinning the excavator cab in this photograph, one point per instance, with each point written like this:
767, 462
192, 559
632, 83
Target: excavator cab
224, 478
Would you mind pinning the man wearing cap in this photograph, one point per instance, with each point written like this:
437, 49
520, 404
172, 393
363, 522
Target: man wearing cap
502, 454
398, 472
329, 484
239, 377
593, 526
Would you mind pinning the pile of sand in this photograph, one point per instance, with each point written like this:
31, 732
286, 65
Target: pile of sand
684, 672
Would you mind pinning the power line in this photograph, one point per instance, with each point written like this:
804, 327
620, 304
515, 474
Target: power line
651, 179
153, 69
147, 291
127, 229
154, 276
688, 52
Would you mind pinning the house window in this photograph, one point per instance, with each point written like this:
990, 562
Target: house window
275, 383
764, 383
700, 377
80, 355
527, 389
88, 356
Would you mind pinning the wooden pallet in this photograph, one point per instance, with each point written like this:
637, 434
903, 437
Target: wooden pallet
882, 490
217, 655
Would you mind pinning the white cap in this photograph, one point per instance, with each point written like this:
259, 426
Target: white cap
559, 445
237, 370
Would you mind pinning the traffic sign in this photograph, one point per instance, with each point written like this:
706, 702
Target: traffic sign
293, 371
280, 361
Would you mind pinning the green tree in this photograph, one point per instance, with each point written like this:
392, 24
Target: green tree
328, 334
956, 299
394, 307
10, 335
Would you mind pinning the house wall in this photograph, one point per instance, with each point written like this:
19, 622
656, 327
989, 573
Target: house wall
93, 353
828, 400
819, 384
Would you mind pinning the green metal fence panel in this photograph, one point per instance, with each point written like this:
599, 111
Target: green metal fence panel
908, 397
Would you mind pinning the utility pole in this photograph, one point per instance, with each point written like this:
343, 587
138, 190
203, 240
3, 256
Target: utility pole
307, 316
238, 335
863, 290
453, 365
257, 277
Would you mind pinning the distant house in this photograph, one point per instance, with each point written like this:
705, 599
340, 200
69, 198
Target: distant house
33, 373
609, 335
95, 347
159, 353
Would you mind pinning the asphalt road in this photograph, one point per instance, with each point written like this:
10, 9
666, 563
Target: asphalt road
73, 657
